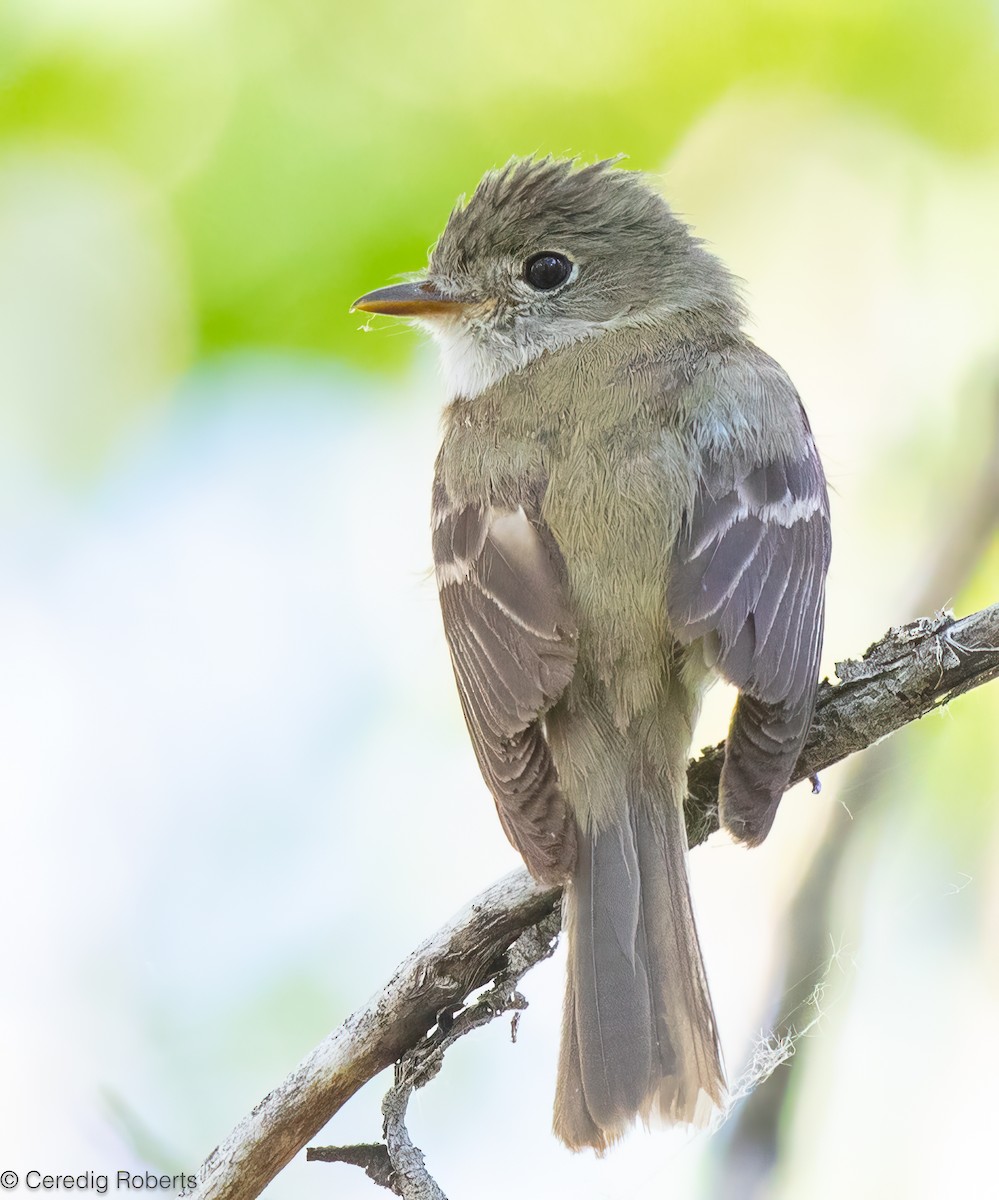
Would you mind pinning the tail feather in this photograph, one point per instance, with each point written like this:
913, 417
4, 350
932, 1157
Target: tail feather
690, 1057
639, 1036
573, 1122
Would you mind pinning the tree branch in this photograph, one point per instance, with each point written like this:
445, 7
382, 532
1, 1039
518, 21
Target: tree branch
914, 669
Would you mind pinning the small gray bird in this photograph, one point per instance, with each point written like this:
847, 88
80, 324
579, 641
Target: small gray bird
628, 502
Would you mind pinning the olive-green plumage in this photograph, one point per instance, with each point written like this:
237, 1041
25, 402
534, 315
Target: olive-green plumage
627, 501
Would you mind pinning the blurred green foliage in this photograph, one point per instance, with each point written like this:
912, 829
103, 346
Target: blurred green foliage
308, 150
217, 686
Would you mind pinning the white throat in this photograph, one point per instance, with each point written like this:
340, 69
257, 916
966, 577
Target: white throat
471, 364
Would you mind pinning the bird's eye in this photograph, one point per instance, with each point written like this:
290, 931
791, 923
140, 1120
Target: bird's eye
547, 270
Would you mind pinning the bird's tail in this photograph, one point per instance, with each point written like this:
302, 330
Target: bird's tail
638, 1034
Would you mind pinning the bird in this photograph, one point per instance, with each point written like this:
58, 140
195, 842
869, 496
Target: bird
628, 504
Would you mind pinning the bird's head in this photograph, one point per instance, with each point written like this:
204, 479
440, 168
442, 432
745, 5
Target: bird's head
544, 254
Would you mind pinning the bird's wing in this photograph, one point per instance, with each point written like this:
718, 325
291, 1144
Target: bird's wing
747, 577
513, 646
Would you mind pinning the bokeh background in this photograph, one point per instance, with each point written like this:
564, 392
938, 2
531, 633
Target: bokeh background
236, 785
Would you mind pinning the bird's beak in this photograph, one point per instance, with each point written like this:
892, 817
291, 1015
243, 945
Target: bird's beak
419, 299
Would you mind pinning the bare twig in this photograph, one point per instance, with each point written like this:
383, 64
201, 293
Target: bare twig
912, 670
412, 1180
371, 1157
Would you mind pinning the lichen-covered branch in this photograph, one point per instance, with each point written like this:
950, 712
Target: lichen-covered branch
912, 670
